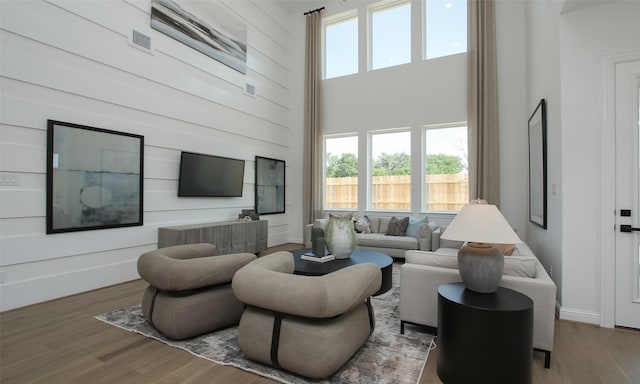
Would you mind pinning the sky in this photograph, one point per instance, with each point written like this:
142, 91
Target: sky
446, 34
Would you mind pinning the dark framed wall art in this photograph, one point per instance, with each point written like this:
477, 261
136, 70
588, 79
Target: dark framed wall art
538, 165
94, 178
270, 179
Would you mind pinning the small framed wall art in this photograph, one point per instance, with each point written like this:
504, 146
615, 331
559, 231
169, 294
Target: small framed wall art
94, 178
538, 165
270, 186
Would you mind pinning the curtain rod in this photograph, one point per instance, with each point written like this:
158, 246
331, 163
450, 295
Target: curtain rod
315, 10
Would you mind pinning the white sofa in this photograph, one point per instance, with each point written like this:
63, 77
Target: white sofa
377, 240
423, 272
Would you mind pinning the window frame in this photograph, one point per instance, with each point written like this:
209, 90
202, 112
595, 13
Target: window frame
370, 160
423, 163
379, 6
425, 38
324, 168
335, 19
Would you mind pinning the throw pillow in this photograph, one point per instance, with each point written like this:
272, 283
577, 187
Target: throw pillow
414, 224
397, 227
362, 225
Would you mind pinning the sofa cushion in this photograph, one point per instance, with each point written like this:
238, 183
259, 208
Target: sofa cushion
414, 224
383, 224
380, 240
397, 227
506, 249
374, 224
524, 266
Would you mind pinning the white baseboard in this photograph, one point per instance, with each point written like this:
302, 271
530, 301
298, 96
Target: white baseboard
579, 315
277, 239
26, 292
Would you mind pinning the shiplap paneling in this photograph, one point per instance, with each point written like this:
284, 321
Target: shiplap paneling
71, 61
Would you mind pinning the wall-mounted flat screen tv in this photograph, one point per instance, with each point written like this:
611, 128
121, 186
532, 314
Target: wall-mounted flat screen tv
210, 176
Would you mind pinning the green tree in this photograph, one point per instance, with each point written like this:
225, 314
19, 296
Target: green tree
441, 164
344, 166
388, 164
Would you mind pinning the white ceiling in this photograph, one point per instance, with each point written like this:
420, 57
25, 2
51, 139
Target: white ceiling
302, 6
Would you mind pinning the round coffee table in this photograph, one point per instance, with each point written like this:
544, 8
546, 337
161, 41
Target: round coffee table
313, 268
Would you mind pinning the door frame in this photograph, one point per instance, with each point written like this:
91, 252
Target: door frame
608, 190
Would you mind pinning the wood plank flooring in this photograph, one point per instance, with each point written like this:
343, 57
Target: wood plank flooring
61, 342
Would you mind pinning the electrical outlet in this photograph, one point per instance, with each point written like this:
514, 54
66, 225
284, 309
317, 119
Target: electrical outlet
550, 271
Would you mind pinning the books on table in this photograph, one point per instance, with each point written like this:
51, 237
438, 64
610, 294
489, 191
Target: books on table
317, 259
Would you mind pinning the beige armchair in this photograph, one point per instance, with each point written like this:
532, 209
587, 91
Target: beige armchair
309, 325
189, 290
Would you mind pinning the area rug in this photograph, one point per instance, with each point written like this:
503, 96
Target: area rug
387, 357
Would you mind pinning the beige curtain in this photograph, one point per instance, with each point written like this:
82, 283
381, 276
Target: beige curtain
482, 102
312, 178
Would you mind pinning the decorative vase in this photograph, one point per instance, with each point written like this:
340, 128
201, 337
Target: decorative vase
340, 238
480, 266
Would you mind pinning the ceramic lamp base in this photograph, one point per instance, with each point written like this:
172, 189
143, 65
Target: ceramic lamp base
480, 266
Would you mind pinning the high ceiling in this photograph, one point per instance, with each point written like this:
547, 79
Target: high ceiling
301, 6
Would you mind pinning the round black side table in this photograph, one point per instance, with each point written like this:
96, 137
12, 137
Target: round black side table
484, 337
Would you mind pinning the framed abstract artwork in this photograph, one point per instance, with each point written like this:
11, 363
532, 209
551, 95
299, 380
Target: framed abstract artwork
94, 178
204, 26
538, 165
270, 186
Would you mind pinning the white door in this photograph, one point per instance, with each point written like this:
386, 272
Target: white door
627, 260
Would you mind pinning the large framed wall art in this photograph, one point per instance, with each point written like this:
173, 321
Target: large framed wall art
205, 26
269, 186
94, 178
538, 165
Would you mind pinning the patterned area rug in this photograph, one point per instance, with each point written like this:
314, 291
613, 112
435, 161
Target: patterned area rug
387, 357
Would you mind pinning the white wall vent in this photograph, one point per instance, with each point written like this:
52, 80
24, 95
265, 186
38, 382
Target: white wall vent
250, 89
139, 40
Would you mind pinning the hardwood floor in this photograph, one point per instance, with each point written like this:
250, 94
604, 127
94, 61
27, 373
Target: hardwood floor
61, 342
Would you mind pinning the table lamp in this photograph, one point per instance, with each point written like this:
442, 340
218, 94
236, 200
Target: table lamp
480, 263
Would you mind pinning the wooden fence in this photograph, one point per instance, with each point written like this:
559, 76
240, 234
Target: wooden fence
443, 192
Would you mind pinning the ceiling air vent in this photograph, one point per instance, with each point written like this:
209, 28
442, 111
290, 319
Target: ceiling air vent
140, 41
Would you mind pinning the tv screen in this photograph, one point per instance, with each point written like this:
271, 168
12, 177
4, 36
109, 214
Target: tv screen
210, 176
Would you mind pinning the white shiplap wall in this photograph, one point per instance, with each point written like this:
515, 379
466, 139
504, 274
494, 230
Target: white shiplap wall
71, 61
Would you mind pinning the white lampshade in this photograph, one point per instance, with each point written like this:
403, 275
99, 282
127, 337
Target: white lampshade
481, 223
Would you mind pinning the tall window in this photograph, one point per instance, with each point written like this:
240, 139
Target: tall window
446, 167
341, 45
390, 40
341, 172
446, 27
390, 186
